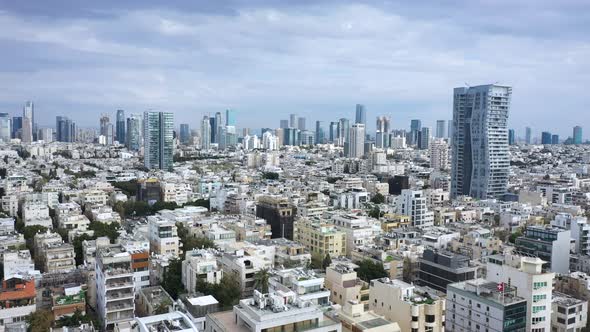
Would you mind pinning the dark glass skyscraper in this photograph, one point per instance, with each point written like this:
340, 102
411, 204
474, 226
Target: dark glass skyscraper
545, 137
319, 133
511, 138
361, 114
17, 126
65, 129
133, 139
185, 133
120, 129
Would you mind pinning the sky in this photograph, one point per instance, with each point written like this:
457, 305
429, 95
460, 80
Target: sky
267, 59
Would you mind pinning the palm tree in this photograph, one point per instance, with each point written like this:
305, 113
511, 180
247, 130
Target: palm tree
261, 280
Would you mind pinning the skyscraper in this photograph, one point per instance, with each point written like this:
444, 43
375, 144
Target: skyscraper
441, 128
230, 118
545, 137
205, 133
293, 121
218, 125
361, 114
415, 127
480, 154
29, 111
356, 146
104, 121
511, 138
133, 139
343, 131
120, 130
158, 128
284, 124
554, 139
333, 132
17, 126
319, 133
527, 135
27, 130
382, 132
577, 135
110, 133
64, 129
424, 138
5, 128
301, 123
185, 134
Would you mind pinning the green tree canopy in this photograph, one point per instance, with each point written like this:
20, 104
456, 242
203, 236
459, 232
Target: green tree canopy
368, 270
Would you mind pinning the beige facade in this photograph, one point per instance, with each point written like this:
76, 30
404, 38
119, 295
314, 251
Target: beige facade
343, 283
412, 308
321, 237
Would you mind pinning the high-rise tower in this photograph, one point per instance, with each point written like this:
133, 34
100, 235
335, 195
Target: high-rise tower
480, 155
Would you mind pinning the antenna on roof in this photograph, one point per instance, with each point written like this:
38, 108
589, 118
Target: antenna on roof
467, 85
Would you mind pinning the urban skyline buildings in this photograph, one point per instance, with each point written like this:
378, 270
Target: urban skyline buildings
158, 130
480, 154
120, 126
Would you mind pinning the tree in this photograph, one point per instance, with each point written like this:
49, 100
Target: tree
129, 188
40, 320
368, 270
227, 292
378, 199
172, 279
375, 212
163, 307
261, 278
326, 262
316, 261
75, 320
103, 229
78, 250
270, 175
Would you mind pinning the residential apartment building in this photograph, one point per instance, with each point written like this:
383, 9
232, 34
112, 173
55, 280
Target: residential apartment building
568, 313
114, 286
411, 307
535, 286
272, 312
412, 203
163, 236
548, 243
481, 305
322, 238
200, 264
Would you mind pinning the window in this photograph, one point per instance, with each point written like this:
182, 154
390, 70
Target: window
537, 298
430, 318
571, 321
414, 318
538, 308
540, 284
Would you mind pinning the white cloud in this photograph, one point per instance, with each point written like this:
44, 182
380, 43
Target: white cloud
272, 61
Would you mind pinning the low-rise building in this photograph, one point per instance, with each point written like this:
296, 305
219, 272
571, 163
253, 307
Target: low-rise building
272, 312
568, 313
413, 308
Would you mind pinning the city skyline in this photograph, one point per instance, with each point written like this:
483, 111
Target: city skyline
406, 77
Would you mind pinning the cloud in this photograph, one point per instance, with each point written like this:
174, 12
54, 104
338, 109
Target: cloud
268, 59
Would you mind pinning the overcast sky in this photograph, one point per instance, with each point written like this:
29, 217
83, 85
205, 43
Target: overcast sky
267, 59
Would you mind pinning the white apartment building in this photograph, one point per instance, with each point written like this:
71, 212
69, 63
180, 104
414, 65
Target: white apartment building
114, 286
568, 313
36, 214
163, 236
412, 203
359, 230
479, 305
272, 312
200, 264
536, 287
94, 197
244, 267
439, 155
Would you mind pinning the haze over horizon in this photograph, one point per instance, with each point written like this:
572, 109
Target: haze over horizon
267, 59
